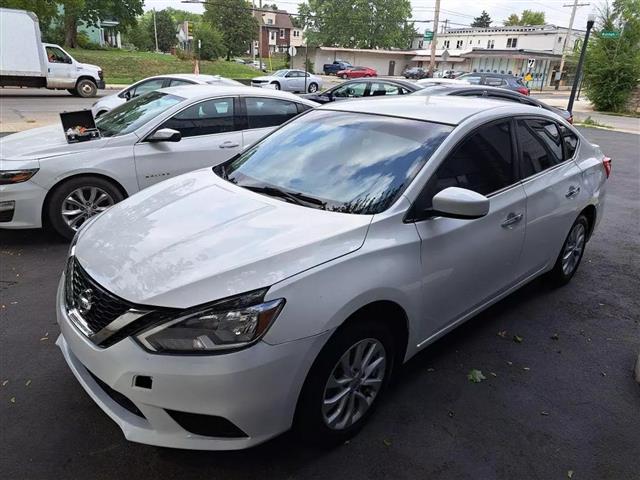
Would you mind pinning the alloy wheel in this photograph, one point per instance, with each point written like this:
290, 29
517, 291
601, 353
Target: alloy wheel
354, 383
83, 203
573, 248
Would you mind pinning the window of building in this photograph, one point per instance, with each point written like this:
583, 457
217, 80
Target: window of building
269, 21
282, 33
559, 39
272, 34
512, 42
446, 44
478, 42
490, 43
459, 43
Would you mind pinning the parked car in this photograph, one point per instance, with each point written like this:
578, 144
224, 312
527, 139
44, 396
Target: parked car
45, 180
284, 287
494, 93
108, 103
499, 80
430, 82
363, 88
290, 80
415, 73
357, 72
27, 62
451, 74
335, 67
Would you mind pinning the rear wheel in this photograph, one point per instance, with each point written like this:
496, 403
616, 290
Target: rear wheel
75, 201
313, 87
345, 383
571, 254
86, 88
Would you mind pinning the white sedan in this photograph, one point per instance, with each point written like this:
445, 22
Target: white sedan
283, 287
290, 81
46, 181
110, 102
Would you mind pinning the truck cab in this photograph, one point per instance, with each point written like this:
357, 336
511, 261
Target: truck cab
65, 72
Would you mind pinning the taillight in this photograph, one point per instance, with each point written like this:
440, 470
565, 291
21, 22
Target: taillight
523, 90
606, 163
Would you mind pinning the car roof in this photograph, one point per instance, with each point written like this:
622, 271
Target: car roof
200, 92
188, 76
439, 109
498, 75
397, 81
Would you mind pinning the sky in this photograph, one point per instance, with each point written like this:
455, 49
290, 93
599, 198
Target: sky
459, 12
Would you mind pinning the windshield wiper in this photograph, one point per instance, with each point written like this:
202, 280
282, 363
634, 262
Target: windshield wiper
297, 198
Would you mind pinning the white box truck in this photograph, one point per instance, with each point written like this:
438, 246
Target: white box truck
27, 62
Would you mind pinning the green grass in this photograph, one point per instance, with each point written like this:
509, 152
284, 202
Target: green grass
590, 122
124, 67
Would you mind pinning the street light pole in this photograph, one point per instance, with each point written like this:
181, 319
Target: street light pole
576, 81
432, 60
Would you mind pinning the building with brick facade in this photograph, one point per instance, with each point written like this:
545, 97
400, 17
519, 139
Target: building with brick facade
277, 32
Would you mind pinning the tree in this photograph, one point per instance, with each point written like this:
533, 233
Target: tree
612, 65
181, 16
45, 10
233, 19
91, 11
212, 42
528, 17
141, 34
484, 20
358, 24
166, 30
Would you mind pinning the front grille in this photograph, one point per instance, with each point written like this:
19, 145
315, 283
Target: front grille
118, 397
104, 307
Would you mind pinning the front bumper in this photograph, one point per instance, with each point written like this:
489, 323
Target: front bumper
28, 199
101, 84
256, 389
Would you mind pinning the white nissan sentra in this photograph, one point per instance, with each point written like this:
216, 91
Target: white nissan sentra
45, 181
220, 308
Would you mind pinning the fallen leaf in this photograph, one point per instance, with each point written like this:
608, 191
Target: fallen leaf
450, 414
347, 442
493, 374
544, 413
526, 369
44, 338
4, 382
13, 399
517, 339
555, 336
502, 333
603, 374
476, 376
27, 383
509, 363
387, 442
570, 474
431, 369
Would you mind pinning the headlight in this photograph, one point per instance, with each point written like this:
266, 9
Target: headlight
228, 324
16, 176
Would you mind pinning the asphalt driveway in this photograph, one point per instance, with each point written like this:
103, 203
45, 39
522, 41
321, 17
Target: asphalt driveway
563, 399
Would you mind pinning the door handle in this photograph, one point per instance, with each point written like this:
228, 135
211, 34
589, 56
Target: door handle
573, 191
511, 220
229, 144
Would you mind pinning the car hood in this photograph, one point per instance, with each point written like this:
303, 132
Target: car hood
43, 142
90, 66
197, 238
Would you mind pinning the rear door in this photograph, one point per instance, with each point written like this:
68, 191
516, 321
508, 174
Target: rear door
552, 183
210, 135
468, 262
263, 114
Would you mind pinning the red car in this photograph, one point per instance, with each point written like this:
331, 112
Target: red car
357, 72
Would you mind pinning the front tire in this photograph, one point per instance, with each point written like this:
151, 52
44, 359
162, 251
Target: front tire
313, 88
344, 77
571, 254
75, 201
85, 88
345, 383
276, 85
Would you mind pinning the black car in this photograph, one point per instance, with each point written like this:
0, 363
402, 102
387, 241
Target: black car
416, 73
500, 80
491, 92
364, 88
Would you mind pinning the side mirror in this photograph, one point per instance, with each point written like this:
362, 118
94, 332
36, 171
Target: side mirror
165, 135
460, 203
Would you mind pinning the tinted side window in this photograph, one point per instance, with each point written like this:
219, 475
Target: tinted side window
350, 90
378, 89
302, 107
494, 82
570, 141
540, 144
269, 112
482, 163
175, 82
146, 87
205, 118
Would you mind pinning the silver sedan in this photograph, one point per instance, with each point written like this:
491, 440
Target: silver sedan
290, 81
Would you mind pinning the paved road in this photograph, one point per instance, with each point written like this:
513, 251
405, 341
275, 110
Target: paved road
435, 424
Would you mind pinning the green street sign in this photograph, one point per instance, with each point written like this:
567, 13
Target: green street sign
428, 35
610, 34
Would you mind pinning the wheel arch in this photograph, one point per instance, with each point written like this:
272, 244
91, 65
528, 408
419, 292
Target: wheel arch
86, 77
54, 188
591, 213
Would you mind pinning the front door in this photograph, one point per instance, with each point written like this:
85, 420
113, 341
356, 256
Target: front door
551, 180
210, 135
59, 68
466, 263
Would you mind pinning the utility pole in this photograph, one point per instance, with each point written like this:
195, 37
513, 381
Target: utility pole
434, 40
260, 37
155, 28
590, 21
444, 27
567, 38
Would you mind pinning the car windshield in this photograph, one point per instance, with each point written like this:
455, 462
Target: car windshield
135, 113
339, 161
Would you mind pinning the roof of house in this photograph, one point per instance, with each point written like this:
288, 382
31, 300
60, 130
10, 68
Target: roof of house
282, 20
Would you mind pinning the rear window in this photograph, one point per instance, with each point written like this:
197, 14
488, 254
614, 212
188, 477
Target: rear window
570, 141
